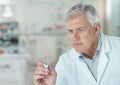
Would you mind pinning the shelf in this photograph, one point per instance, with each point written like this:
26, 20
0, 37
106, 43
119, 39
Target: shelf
45, 33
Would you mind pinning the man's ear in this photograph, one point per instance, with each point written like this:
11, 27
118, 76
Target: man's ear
97, 27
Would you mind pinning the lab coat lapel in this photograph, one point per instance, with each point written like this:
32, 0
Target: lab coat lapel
84, 70
102, 66
104, 57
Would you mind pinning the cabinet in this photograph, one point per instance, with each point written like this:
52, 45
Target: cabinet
13, 69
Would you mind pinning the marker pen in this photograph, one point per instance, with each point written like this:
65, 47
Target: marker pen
46, 66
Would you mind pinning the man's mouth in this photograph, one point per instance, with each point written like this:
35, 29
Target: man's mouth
77, 44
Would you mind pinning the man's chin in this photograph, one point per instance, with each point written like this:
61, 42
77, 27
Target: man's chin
78, 50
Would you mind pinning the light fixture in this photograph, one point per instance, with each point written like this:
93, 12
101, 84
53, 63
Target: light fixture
4, 2
7, 13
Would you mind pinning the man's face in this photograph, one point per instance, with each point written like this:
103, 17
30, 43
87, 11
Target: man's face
82, 34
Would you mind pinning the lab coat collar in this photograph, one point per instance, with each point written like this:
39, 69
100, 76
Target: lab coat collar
75, 54
105, 42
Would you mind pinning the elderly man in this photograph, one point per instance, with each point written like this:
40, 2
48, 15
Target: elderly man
94, 59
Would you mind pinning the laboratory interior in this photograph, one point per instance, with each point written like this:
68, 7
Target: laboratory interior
34, 30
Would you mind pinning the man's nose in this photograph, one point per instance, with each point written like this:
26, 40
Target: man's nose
76, 35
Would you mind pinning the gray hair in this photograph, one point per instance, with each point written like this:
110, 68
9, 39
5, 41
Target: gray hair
79, 9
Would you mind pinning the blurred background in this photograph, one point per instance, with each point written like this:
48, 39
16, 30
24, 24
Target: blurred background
34, 30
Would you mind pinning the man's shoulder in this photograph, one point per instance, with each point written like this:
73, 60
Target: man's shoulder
112, 42
66, 60
111, 38
67, 54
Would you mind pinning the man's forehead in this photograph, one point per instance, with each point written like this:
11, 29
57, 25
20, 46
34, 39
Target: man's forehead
78, 20
77, 26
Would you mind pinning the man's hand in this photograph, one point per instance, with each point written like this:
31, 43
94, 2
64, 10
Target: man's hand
44, 76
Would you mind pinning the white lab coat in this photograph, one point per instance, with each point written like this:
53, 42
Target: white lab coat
71, 70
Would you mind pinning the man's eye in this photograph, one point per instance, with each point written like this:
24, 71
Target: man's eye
70, 31
81, 29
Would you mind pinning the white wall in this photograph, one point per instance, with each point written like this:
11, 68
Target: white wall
38, 14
